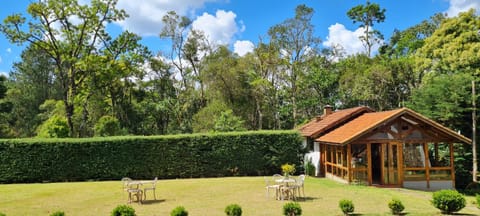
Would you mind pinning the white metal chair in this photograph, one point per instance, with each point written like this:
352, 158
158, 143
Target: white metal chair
152, 188
271, 185
299, 185
125, 181
131, 190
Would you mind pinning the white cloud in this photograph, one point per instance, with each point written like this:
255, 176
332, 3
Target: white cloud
146, 15
220, 28
457, 6
9, 50
4, 73
348, 40
243, 47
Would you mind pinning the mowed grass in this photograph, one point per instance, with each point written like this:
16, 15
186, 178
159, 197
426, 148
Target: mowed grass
209, 196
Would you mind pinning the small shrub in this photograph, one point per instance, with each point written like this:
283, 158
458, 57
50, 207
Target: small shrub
309, 167
2, 214
478, 200
448, 201
346, 206
396, 206
58, 213
292, 209
179, 211
123, 210
233, 210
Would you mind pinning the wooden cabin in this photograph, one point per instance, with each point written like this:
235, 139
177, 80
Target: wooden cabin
397, 148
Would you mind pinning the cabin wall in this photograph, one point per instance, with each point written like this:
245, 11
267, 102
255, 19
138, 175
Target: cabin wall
313, 156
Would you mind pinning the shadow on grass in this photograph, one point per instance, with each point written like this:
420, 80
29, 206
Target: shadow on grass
151, 202
306, 199
461, 214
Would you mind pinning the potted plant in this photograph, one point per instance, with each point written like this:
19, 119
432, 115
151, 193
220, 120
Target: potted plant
288, 169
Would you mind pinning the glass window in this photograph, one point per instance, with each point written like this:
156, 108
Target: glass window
360, 177
359, 155
415, 175
327, 152
439, 154
440, 175
413, 155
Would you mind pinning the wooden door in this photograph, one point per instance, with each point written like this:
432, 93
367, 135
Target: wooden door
391, 163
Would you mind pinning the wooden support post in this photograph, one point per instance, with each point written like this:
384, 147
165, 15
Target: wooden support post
452, 166
400, 164
427, 167
349, 162
369, 164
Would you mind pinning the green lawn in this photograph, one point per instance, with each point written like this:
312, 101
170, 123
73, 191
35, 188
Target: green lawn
209, 196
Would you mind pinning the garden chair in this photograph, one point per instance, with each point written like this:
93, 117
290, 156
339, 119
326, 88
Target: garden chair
125, 182
299, 185
132, 190
152, 188
135, 192
270, 184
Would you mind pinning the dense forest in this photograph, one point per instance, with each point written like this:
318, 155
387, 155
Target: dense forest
74, 79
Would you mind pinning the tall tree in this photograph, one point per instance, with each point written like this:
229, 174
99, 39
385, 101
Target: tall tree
367, 15
176, 28
5, 107
454, 49
32, 82
297, 44
69, 33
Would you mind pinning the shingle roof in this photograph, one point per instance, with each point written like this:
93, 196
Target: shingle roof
369, 121
326, 122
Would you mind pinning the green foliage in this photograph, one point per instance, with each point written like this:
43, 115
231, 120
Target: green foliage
233, 210
477, 199
346, 206
367, 15
209, 155
2, 214
292, 209
309, 168
227, 121
179, 211
448, 201
58, 213
55, 127
107, 126
204, 120
396, 206
123, 210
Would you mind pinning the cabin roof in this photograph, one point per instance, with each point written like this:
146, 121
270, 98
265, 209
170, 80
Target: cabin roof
366, 122
325, 122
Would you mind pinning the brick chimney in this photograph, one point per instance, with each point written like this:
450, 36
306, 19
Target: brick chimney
327, 110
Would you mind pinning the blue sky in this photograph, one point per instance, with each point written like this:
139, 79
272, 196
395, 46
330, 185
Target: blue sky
240, 23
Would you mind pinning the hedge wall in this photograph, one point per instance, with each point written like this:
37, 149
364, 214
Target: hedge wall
180, 156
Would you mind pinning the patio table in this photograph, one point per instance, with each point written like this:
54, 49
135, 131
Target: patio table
285, 189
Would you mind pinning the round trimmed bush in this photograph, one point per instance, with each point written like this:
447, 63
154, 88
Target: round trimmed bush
448, 201
346, 206
233, 210
58, 213
396, 206
179, 211
123, 210
292, 209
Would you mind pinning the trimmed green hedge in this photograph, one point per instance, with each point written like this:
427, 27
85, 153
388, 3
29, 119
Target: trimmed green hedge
179, 156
